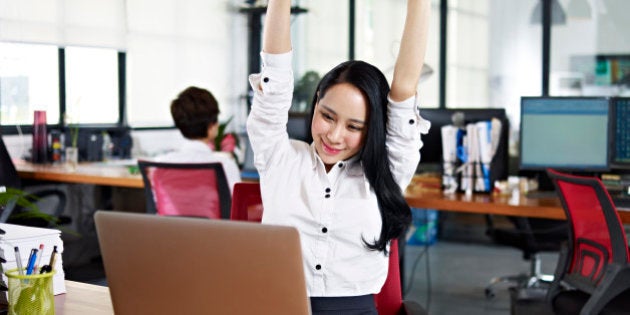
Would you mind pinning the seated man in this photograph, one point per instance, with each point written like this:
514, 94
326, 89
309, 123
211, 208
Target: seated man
195, 112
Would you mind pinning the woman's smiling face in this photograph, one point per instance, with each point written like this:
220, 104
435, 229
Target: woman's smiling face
339, 123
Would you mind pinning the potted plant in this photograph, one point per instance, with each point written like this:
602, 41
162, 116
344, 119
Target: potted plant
227, 141
17, 197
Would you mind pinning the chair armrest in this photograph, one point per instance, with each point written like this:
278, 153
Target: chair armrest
413, 308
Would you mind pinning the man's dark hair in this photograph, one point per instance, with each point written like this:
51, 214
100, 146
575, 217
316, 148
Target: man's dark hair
193, 111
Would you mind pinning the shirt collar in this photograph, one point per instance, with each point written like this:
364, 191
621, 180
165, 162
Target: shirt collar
196, 146
352, 166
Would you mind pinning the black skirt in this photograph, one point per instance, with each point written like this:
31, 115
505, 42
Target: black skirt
344, 305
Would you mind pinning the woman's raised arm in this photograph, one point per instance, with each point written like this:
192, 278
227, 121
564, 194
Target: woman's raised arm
277, 29
412, 50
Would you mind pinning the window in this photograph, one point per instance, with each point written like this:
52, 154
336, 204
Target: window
494, 55
379, 26
29, 80
177, 44
91, 85
468, 54
320, 37
597, 62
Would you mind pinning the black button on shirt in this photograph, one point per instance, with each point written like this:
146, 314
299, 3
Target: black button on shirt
324, 230
265, 79
327, 190
318, 267
411, 121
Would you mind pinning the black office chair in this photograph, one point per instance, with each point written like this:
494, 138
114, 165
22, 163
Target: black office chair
532, 236
186, 189
15, 213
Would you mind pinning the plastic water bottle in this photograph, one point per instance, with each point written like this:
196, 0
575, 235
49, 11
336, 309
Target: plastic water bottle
108, 146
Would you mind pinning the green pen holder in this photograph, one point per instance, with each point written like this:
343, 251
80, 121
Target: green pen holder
30, 294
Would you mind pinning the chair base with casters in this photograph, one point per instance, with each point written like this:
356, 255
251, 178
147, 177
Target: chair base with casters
535, 278
532, 236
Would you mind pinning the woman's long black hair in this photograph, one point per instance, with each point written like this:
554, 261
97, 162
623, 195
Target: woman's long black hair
395, 213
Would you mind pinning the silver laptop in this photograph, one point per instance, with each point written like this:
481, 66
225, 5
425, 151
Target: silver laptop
175, 265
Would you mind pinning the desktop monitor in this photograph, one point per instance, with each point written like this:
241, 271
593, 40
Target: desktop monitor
564, 133
431, 151
620, 133
298, 126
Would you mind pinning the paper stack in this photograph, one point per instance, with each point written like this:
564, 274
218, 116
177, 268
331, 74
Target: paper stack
27, 238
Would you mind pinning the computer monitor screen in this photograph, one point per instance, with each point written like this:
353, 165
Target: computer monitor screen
431, 152
566, 133
620, 120
298, 126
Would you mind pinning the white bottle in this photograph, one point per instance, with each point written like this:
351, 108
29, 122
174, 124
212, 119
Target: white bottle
108, 147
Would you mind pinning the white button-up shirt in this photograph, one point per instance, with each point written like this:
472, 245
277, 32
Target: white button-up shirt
335, 211
194, 151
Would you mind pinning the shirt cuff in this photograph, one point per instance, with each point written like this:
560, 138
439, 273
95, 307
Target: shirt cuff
409, 110
408, 103
277, 60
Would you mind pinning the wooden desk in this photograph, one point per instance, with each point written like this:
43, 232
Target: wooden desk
86, 173
82, 298
419, 196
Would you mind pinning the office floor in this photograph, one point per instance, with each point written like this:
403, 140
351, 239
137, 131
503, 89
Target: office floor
458, 271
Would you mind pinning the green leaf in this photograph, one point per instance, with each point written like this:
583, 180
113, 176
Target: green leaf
26, 201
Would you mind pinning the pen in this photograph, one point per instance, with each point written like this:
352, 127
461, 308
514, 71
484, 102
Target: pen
18, 261
31, 261
53, 258
51, 264
39, 258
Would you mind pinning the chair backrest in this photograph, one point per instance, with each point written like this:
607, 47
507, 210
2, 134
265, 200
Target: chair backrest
246, 202
389, 300
186, 189
8, 174
597, 235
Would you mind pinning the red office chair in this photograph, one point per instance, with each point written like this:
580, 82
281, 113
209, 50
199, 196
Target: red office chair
389, 301
193, 190
247, 206
246, 202
596, 264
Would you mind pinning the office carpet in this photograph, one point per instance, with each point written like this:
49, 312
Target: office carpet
454, 280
